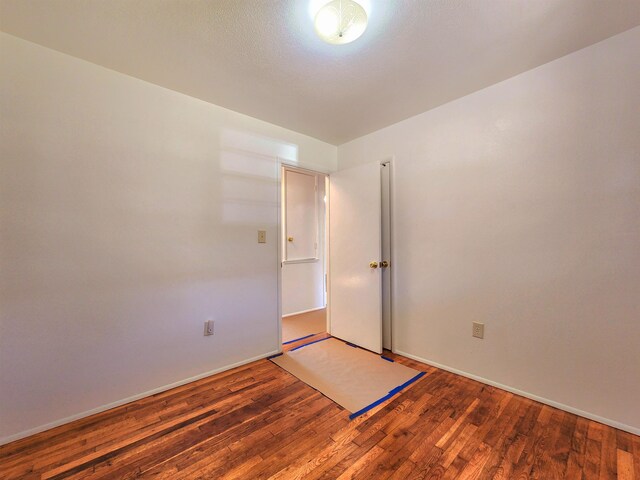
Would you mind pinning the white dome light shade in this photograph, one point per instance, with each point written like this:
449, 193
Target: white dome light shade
340, 21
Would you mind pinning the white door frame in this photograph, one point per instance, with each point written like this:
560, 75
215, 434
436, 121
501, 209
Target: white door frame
392, 247
385, 230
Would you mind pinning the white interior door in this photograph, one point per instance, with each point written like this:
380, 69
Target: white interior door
354, 242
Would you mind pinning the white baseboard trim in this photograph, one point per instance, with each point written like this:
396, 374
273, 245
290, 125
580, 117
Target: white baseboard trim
303, 311
546, 401
93, 411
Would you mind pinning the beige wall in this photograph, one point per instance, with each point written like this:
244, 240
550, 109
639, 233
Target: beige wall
128, 216
519, 206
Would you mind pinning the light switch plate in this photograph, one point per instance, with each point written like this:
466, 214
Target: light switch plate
262, 236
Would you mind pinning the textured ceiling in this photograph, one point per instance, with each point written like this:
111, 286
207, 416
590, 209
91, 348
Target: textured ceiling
261, 57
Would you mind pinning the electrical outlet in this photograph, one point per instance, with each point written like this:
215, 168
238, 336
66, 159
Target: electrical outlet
478, 330
208, 328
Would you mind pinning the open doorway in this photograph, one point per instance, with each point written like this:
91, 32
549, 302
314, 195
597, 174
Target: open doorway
304, 255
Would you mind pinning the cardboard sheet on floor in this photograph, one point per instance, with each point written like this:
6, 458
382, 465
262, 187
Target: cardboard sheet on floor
350, 376
303, 325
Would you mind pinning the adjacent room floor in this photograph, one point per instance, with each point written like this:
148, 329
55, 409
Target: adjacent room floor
258, 421
303, 325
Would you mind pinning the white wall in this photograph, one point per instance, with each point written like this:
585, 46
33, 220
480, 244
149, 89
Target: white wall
519, 206
303, 285
128, 216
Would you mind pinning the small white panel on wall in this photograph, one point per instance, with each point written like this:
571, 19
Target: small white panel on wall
301, 216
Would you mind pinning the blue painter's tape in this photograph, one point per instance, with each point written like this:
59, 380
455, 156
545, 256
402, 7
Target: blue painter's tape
387, 396
369, 407
352, 345
310, 343
387, 358
408, 382
298, 339
274, 356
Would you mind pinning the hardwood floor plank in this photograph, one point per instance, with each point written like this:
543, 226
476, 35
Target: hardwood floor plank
105, 433
608, 468
519, 422
258, 422
474, 467
451, 453
360, 464
576, 460
595, 459
625, 463
504, 470
403, 472
636, 455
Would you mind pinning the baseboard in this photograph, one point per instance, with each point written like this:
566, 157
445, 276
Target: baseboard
62, 421
303, 311
546, 401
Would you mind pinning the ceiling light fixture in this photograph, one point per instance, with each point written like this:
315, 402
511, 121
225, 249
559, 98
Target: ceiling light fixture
340, 21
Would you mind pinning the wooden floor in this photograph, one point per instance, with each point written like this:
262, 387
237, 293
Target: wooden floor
257, 421
304, 324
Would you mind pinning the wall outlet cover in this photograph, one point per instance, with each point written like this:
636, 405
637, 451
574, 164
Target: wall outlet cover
478, 330
208, 328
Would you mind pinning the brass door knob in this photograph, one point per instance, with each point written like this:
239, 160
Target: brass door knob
290, 239
373, 265
384, 264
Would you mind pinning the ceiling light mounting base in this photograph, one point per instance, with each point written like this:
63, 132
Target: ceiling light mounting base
340, 21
